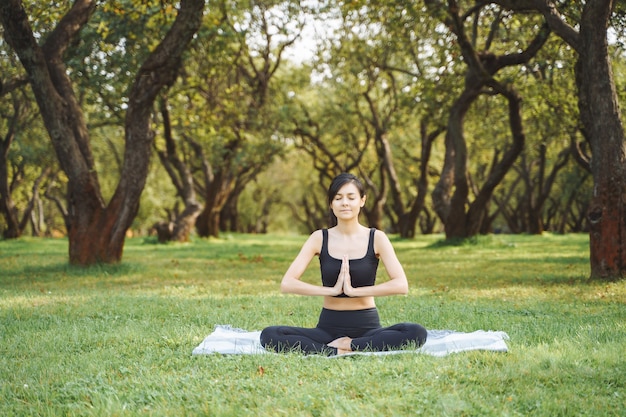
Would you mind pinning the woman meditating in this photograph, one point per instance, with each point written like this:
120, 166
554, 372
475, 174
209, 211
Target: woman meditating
349, 254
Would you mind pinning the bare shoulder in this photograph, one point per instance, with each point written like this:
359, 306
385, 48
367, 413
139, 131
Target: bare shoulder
382, 243
314, 243
316, 236
379, 235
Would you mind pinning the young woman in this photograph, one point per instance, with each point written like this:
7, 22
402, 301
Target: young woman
349, 254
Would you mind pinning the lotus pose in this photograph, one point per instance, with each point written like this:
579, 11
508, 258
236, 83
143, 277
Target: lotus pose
349, 254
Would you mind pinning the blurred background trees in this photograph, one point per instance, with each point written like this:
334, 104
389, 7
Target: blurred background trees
462, 118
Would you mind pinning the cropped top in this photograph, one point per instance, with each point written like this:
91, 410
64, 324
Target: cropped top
362, 271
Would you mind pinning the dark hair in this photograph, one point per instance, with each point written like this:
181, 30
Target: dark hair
338, 182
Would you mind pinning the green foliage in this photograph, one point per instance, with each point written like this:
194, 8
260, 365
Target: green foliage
30, 151
117, 339
112, 46
398, 52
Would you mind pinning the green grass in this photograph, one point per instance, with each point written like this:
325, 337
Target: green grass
117, 340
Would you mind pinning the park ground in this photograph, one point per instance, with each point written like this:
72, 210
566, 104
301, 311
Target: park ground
116, 340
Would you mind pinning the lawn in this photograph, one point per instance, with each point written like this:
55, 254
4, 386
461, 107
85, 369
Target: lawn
117, 340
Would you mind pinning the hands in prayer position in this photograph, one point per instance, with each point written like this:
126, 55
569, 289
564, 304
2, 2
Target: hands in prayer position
343, 285
344, 281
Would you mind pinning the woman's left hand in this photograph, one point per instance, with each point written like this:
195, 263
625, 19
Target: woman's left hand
348, 289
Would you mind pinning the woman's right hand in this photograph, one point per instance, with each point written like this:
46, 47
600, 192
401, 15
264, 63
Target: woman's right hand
344, 273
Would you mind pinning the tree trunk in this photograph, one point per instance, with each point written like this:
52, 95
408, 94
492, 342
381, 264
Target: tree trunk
15, 226
455, 221
419, 203
208, 222
96, 231
376, 198
178, 228
477, 212
600, 116
229, 215
185, 222
216, 196
7, 207
460, 217
602, 125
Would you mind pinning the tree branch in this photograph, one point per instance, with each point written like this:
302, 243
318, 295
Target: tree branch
549, 11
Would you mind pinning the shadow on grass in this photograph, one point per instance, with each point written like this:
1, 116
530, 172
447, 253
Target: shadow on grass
455, 242
53, 271
479, 242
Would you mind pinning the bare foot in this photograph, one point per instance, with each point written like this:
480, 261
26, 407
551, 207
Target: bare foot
342, 344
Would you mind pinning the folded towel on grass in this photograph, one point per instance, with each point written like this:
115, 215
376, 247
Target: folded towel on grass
229, 340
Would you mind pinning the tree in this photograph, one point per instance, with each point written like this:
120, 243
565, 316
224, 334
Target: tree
228, 89
403, 107
463, 219
602, 124
262, 32
529, 198
96, 230
181, 222
20, 156
365, 114
316, 131
10, 119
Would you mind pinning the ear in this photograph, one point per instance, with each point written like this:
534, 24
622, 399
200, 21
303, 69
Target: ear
363, 200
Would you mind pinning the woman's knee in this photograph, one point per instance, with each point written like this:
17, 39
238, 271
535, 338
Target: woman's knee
418, 333
414, 332
268, 335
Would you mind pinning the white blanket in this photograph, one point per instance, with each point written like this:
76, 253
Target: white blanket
229, 340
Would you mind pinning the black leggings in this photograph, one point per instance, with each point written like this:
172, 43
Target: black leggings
362, 326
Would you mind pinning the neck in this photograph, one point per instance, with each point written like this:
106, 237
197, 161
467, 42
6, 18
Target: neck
349, 228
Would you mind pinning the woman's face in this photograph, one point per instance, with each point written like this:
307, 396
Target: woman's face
347, 202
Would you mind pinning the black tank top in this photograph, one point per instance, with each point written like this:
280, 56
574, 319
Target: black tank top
362, 271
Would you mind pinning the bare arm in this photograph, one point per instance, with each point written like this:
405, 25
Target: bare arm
291, 282
397, 283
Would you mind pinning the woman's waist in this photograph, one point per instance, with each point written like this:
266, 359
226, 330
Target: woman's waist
349, 303
342, 320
